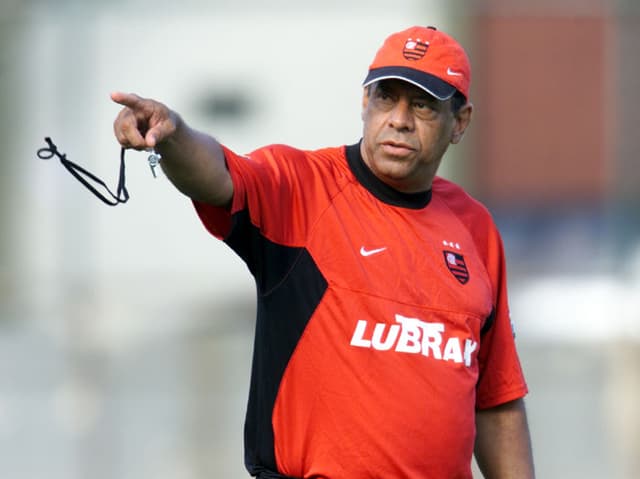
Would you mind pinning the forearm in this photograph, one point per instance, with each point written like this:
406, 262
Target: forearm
194, 162
503, 445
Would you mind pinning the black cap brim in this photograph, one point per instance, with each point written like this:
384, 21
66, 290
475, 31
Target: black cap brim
429, 83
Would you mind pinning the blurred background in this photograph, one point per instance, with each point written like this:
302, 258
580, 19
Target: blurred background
126, 333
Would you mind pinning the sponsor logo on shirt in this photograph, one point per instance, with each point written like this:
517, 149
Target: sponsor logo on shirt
369, 252
414, 336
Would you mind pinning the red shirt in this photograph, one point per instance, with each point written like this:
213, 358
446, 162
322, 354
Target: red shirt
382, 317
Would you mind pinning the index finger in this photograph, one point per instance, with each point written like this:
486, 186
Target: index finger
127, 99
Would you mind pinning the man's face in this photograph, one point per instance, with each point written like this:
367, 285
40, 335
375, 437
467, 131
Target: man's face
406, 132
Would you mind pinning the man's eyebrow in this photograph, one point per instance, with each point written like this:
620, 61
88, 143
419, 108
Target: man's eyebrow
423, 95
383, 85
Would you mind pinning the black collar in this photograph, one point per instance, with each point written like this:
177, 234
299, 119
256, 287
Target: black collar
380, 189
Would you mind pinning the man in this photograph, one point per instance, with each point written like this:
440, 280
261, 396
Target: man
383, 344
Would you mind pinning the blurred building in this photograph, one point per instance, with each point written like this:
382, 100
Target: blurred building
556, 87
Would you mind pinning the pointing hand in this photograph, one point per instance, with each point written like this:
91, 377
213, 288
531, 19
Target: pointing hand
142, 123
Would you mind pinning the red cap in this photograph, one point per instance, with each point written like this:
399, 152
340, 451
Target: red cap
426, 57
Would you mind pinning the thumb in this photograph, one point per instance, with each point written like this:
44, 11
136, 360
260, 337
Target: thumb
163, 124
158, 133
151, 138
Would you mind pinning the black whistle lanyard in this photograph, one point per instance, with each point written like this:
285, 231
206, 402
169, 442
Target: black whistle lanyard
83, 176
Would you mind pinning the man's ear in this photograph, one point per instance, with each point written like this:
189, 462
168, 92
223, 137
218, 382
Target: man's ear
365, 99
462, 119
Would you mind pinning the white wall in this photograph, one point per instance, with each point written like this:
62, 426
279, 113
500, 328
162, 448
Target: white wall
131, 340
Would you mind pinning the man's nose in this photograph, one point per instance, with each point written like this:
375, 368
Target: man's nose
401, 116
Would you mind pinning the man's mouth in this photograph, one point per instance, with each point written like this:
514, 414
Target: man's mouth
396, 148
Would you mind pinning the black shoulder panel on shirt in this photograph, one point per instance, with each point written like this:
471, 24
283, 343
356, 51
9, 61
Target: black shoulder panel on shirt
488, 322
290, 286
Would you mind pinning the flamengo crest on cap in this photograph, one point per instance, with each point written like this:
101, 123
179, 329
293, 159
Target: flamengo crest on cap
414, 49
456, 264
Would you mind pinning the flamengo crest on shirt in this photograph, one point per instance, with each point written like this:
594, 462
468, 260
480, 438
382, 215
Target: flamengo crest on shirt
456, 264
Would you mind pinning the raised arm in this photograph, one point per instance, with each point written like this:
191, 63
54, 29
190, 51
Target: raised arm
193, 161
503, 445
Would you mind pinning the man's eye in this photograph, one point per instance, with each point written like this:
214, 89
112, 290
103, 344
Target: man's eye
425, 109
384, 99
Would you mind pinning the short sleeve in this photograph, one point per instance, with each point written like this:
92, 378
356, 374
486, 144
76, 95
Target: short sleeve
501, 378
278, 190
266, 189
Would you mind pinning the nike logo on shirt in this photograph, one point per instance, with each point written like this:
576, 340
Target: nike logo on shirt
366, 252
